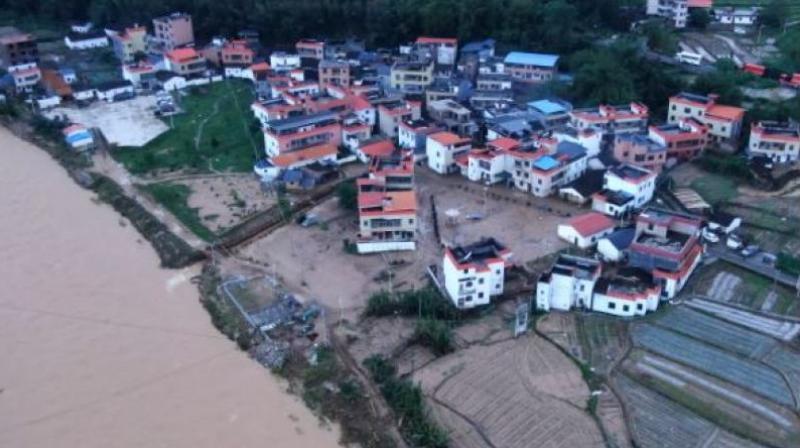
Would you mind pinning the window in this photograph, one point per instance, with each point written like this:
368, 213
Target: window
480, 295
625, 308
480, 281
639, 306
612, 305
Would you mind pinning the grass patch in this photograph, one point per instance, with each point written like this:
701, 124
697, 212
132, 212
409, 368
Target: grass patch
216, 133
175, 198
715, 188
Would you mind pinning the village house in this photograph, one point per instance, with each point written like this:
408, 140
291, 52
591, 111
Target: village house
411, 77
676, 12
444, 150
475, 273
86, 41
310, 49
413, 134
452, 116
375, 147
442, 50
394, 169
493, 164
387, 219
568, 284
724, 122
281, 61
114, 90
684, 140
185, 62
129, 43
612, 248
584, 231
530, 67
441, 89
17, 48
626, 188
78, 137
172, 31
391, 114
335, 73
544, 175
589, 138
491, 99
300, 132
640, 150
631, 292
779, 142
612, 120
237, 54
323, 154
141, 75
667, 244
581, 190
493, 81
25, 77
730, 15
551, 112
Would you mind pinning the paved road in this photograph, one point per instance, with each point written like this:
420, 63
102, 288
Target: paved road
753, 264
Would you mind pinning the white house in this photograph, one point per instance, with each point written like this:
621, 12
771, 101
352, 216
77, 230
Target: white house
736, 16
112, 90
631, 292
86, 41
444, 150
612, 247
281, 61
586, 230
625, 188
780, 142
475, 273
568, 284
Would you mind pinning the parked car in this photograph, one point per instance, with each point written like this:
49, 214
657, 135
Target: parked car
749, 251
710, 236
734, 242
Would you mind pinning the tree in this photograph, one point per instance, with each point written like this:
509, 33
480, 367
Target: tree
348, 195
774, 13
699, 18
724, 81
602, 76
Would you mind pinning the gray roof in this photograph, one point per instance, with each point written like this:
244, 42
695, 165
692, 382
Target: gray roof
301, 120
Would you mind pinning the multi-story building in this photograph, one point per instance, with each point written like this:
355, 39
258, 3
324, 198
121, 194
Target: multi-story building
612, 120
491, 99
442, 50
568, 284
444, 150
173, 31
684, 140
391, 114
413, 135
25, 77
640, 150
302, 131
667, 244
335, 73
310, 49
452, 116
475, 273
387, 219
724, 122
625, 188
530, 67
411, 77
780, 142
17, 48
493, 81
549, 112
676, 11
129, 43
631, 292
281, 61
236, 53
394, 170
185, 62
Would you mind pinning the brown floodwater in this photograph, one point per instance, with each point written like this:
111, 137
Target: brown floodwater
101, 348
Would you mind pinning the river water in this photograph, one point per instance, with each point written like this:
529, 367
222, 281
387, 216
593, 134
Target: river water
101, 348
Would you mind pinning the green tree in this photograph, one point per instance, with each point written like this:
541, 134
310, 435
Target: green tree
774, 13
699, 18
348, 195
601, 76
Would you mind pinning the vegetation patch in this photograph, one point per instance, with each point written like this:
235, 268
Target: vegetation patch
175, 198
424, 302
434, 334
216, 132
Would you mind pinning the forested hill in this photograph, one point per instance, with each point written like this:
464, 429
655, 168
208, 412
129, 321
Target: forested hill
552, 25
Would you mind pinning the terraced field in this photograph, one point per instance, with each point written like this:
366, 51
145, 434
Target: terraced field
788, 363
737, 370
518, 393
716, 332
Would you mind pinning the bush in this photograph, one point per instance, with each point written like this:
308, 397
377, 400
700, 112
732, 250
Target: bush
407, 401
788, 263
348, 195
424, 302
733, 166
434, 334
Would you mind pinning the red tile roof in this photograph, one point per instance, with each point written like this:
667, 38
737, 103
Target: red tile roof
380, 148
448, 138
437, 40
591, 223
182, 54
313, 153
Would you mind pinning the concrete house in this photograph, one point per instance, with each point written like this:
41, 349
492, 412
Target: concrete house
568, 284
475, 273
444, 149
724, 123
300, 132
584, 231
625, 188
530, 67
779, 142
173, 31
684, 140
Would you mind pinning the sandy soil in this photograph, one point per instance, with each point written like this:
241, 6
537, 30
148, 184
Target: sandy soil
103, 349
219, 198
125, 123
518, 393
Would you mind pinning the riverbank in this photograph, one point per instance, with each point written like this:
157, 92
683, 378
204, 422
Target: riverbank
105, 349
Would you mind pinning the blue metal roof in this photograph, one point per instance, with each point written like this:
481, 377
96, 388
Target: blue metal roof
546, 163
572, 150
537, 59
78, 136
547, 107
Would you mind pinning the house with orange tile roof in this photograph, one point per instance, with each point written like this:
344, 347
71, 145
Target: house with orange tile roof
584, 231
324, 153
684, 140
185, 62
17, 48
724, 123
129, 42
310, 48
611, 120
298, 132
387, 219
676, 12
391, 114
447, 152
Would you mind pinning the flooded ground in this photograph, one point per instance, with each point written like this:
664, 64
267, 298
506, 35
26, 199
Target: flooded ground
101, 348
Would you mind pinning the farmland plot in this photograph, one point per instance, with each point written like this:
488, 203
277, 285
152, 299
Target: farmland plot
780, 329
517, 393
747, 374
788, 362
655, 421
716, 332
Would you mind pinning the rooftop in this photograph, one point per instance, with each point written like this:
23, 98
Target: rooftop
573, 266
480, 252
536, 59
642, 141
548, 107
630, 172
591, 223
448, 138
301, 120
313, 153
